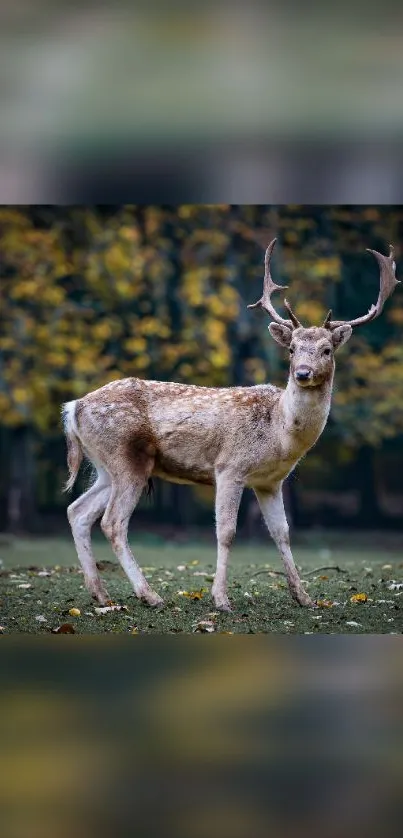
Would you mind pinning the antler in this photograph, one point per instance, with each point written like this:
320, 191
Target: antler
388, 284
268, 289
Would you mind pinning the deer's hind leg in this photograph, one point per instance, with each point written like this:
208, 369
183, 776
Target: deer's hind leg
127, 487
82, 514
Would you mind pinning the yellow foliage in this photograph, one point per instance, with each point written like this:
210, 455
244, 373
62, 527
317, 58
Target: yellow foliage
220, 358
135, 345
56, 359
159, 287
129, 233
21, 289
83, 364
310, 312
150, 326
102, 330
141, 362
185, 211
7, 343
116, 259
327, 268
359, 598
53, 296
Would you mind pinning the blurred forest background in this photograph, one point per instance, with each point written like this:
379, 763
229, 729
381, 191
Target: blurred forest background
91, 294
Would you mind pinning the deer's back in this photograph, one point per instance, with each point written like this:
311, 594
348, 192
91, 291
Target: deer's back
186, 428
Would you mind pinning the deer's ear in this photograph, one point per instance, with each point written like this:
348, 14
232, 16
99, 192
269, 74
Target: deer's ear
341, 335
281, 334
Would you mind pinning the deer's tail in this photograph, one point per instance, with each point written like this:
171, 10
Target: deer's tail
74, 447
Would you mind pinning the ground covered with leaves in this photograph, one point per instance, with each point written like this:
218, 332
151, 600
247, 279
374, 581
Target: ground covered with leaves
358, 590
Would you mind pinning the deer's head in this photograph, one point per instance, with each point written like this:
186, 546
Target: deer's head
312, 349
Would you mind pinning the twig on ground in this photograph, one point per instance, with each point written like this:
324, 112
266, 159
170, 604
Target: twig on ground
325, 567
304, 573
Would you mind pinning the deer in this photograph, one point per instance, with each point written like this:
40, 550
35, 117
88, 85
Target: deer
230, 438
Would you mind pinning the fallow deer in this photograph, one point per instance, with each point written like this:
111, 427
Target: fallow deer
230, 438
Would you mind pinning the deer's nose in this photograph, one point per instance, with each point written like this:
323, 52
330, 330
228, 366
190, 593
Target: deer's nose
303, 373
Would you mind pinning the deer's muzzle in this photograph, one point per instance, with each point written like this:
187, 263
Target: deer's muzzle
303, 374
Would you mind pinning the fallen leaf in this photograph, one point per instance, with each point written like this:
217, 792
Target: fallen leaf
41, 619
181, 567
352, 623
192, 594
359, 598
65, 628
44, 573
194, 562
108, 608
25, 585
323, 577
206, 626
74, 612
324, 603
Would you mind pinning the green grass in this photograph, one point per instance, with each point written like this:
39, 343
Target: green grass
259, 595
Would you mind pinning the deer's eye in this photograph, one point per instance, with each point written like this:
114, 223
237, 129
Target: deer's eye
326, 352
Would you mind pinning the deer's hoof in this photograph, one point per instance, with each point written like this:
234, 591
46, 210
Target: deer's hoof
101, 597
153, 600
305, 601
223, 605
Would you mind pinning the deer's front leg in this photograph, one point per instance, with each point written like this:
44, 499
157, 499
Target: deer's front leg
272, 506
228, 497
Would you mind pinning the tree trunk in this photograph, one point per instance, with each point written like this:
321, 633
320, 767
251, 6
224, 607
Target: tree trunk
21, 489
369, 514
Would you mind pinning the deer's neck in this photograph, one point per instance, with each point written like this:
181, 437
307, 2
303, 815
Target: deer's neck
306, 410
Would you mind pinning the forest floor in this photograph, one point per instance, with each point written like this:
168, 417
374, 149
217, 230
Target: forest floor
40, 582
